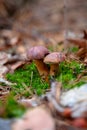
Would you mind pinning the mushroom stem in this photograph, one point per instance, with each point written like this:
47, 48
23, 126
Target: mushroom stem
42, 69
54, 68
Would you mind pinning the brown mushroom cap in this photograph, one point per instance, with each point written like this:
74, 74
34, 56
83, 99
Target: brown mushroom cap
37, 52
54, 58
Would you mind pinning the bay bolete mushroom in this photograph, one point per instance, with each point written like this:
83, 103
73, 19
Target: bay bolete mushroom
37, 54
54, 59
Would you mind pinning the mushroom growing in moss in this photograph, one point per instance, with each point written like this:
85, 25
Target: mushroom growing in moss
54, 59
37, 54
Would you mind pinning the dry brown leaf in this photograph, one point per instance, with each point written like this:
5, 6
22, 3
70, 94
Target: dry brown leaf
3, 58
64, 125
16, 65
81, 51
11, 36
79, 42
85, 34
3, 70
3, 80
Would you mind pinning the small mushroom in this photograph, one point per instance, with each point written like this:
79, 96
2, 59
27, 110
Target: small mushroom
37, 54
54, 59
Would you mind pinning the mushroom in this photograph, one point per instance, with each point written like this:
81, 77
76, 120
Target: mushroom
54, 59
37, 54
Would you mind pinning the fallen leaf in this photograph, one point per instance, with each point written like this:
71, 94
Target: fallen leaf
3, 70
85, 34
35, 119
79, 42
2, 80
3, 58
16, 65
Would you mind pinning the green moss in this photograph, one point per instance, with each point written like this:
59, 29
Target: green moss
27, 81
11, 108
50, 48
69, 73
73, 49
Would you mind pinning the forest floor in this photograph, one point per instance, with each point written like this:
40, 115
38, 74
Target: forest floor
22, 90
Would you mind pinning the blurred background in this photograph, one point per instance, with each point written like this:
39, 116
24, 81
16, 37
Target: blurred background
32, 22
41, 14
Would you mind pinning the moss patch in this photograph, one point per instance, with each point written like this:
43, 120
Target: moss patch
73, 49
69, 73
27, 81
11, 108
